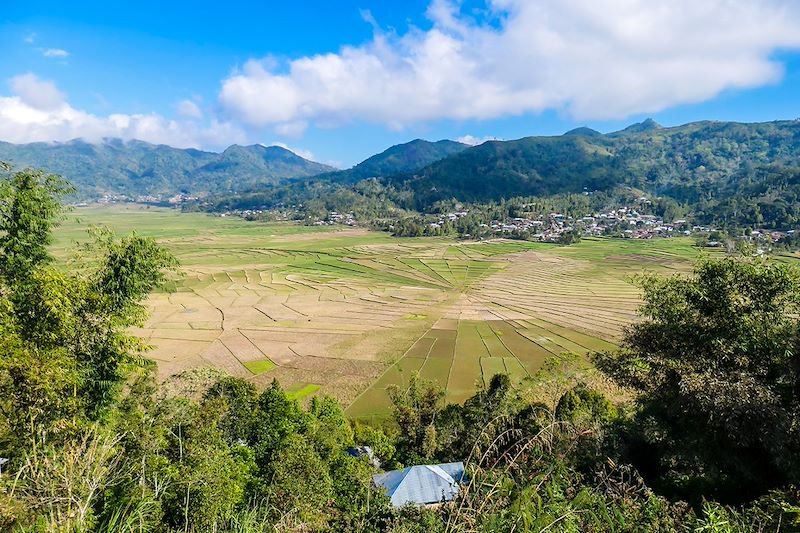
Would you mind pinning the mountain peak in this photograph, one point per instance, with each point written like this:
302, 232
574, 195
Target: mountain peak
135, 168
586, 132
640, 127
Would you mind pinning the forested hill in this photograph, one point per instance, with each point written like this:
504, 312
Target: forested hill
688, 162
136, 168
404, 158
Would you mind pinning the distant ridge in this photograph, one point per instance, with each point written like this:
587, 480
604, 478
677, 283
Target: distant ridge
641, 127
137, 168
685, 162
682, 161
587, 132
398, 159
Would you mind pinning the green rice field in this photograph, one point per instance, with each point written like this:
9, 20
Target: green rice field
348, 312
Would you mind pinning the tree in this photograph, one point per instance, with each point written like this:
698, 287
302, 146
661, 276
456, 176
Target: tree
300, 485
569, 237
415, 410
30, 204
716, 366
67, 346
277, 419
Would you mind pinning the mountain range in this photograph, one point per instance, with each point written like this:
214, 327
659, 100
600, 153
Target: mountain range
397, 160
136, 168
688, 163
684, 162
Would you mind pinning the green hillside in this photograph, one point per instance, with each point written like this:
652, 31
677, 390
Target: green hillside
398, 159
685, 162
136, 168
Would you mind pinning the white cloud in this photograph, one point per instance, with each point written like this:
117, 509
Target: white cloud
38, 111
294, 130
30, 38
54, 52
474, 141
593, 59
189, 109
305, 154
36, 93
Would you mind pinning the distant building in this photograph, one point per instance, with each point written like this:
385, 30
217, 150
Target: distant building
422, 484
366, 452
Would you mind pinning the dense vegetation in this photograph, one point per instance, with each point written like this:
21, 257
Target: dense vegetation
700, 435
398, 159
136, 168
724, 174
687, 163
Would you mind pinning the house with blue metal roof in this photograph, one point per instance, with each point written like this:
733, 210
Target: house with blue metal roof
422, 484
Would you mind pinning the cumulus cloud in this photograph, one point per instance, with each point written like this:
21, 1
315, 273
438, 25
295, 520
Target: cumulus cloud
474, 141
292, 129
189, 109
591, 59
38, 111
37, 93
55, 52
305, 154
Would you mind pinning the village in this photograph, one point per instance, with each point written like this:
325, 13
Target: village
620, 222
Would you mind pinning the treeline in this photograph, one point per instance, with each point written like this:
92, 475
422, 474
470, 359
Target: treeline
766, 197
311, 200
729, 175
761, 197
690, 426
476, 223
683, 162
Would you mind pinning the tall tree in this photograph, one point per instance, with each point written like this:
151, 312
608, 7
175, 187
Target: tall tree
65, 345
30, 204
716, 363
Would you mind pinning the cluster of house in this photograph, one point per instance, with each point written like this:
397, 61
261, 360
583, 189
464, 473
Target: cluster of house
624, 221
448, 217
152, 199
422, 485
768, 236
334, 217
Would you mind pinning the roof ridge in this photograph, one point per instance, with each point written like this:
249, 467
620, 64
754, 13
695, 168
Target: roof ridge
439, 471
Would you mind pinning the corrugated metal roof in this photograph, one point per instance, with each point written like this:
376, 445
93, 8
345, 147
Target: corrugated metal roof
422, 484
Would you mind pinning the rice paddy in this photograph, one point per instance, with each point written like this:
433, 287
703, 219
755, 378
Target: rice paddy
349, 312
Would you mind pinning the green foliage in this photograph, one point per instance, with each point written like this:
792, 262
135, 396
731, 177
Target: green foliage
29, 209
569, 237
67, 350
382, 445
97, 445
300, 486
415, 410
715, 366
137, 168
582, 404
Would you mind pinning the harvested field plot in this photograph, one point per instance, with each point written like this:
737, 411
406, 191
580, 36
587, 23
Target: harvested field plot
351, 312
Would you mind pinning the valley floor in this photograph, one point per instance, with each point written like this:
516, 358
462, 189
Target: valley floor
349, 312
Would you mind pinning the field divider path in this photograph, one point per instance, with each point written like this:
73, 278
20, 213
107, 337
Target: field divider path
513, 354
396, 362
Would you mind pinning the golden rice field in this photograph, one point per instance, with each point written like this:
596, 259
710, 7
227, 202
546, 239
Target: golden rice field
349, 312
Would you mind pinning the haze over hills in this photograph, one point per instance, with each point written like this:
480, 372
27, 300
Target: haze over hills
137, 168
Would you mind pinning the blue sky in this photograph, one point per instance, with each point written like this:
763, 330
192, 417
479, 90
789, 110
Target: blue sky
339, 81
